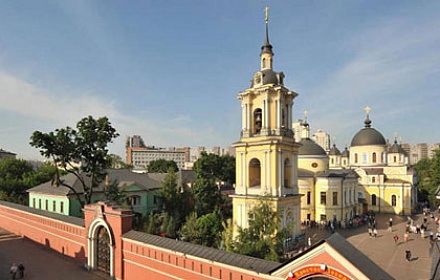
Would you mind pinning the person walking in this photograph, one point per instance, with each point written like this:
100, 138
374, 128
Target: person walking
13, 270
20, 268
408, 255
390, 225
405, 237
396, 238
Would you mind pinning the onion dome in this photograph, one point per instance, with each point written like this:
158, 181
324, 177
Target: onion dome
368, 135
334, 151
345, 153
309, 147
396, 148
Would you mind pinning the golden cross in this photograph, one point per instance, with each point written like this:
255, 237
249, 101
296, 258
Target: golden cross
267, 14
367, 110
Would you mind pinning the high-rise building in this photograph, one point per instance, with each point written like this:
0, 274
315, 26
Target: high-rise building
322, 138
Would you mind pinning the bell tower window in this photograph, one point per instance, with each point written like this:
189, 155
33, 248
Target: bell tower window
257, 120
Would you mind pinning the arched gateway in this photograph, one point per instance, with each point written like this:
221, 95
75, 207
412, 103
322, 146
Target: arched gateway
100, 244
104, 222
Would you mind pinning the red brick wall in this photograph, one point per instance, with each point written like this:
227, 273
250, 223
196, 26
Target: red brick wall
143, 261
65, 238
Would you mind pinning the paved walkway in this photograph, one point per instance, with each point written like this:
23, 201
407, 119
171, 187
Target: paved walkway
40, 263
390, 256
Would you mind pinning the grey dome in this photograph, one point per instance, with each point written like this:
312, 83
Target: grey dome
268, 76
334, 151
396, 148
345, 152
309, 147
368, 136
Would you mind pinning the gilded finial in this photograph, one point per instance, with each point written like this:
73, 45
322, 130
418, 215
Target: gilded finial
267, 13
367, 110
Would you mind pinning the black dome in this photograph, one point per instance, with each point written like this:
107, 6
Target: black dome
368, 136
309, 147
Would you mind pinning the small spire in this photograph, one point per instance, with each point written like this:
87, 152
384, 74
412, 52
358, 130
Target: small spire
267, 47
367, 121
395, 137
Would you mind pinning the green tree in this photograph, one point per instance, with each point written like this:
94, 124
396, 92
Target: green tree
207, 196
210, 229
211, 165
86, 145
428, 172
261, 238
175, 200
227, 169
15, 177
162, 166
116, 162
114, 194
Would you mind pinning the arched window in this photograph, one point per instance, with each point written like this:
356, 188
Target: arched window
373, 200
254, 173
355, 158
333, 161
264, 63
395, 159
373, 179
258, 118
393, 200
374, 158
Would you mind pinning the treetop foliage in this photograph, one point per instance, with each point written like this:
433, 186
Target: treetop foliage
86, 145
162, 166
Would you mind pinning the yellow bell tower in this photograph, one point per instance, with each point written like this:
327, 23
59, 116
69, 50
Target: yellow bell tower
267, 154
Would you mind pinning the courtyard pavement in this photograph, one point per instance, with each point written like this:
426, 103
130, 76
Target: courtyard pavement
387, 254
40, 263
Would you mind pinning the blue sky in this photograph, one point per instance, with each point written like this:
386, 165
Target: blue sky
170, 71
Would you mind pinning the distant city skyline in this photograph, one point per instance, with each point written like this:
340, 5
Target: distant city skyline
171, 71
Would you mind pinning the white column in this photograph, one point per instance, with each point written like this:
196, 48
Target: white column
277, 102
243, 117
267, 114
290, 115
248, 117
280, 171
264, 172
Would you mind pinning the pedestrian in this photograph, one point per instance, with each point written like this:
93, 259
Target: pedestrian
390, 225
396, 238
375, 232
405, 237
20, 270
408, 255
13, 270
309, 242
